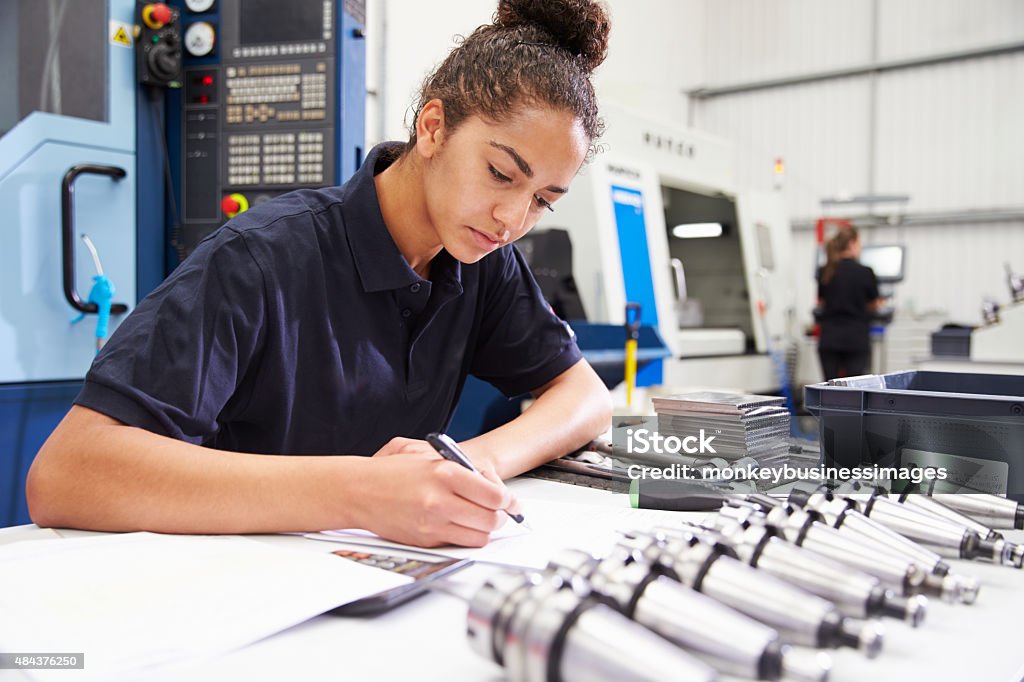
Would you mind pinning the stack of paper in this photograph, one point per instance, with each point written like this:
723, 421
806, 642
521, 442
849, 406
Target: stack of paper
132, 601
741, 425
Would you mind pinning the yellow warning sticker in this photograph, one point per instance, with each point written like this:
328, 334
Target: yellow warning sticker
120, 34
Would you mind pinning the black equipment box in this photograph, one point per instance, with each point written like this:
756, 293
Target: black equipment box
972, 425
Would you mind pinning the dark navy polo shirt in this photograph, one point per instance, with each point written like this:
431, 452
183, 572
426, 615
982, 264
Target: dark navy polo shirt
299, 328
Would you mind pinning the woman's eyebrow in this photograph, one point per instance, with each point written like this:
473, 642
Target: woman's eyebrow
520, 161
523, 165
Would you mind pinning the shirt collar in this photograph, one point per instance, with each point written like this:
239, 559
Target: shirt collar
380, 264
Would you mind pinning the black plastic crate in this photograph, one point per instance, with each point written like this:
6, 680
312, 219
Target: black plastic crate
970, 424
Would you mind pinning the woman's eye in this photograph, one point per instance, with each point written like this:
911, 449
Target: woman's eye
543, 203
498, 175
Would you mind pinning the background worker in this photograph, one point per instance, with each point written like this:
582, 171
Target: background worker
847, 299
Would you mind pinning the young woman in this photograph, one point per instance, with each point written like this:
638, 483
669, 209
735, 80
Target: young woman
247, 391
847, 297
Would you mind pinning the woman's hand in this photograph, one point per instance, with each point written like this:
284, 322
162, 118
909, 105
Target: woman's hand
416, 497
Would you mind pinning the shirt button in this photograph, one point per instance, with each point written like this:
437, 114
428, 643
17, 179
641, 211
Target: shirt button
415, 287
406, 313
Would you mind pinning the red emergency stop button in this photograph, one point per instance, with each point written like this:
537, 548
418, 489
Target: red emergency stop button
156, 14
233, 204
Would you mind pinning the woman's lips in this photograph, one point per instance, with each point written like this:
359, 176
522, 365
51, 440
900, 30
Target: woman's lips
484, 240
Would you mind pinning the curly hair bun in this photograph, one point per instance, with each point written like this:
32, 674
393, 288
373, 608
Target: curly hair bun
580, 26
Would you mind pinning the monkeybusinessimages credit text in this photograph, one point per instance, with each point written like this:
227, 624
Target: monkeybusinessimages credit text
701, 445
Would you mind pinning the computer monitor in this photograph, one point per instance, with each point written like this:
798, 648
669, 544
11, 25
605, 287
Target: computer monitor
887, 261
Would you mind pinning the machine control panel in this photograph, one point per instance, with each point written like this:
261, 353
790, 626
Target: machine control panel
259, 114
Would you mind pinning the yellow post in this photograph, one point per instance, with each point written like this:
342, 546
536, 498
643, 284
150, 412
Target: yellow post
632, 336
630, 371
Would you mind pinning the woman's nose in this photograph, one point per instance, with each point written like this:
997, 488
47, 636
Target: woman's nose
511, 214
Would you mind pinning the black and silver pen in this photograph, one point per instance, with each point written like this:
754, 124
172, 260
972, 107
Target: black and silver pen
447, 448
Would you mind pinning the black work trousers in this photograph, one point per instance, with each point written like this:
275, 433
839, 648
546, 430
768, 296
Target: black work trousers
836, 364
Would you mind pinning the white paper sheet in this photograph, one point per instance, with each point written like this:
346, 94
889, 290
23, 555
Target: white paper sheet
133, 600
555, 526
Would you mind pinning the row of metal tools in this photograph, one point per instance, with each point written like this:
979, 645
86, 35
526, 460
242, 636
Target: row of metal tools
734, 593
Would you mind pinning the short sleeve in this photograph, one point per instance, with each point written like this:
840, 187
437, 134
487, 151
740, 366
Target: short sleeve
872, 283
177, 360
522, 344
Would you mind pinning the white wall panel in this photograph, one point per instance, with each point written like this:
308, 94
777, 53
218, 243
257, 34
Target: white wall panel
953, 267
654, 54
748, 40
951, 135
415, 41
375, 28
914, 28
818, 129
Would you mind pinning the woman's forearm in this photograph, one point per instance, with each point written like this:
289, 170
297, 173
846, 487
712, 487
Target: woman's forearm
568, 413
96, 473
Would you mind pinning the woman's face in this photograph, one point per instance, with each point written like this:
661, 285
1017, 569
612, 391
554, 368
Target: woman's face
487, 184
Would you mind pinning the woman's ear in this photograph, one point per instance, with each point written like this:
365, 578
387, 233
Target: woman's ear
430, 128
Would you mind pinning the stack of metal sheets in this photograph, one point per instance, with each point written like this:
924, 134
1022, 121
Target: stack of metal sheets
741, 425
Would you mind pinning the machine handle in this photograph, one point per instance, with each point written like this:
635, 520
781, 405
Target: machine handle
766, 294
67, 220
680, 277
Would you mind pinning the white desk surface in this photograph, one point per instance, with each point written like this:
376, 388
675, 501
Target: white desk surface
425, 640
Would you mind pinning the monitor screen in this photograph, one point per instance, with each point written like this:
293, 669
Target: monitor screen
268, 22
885, 259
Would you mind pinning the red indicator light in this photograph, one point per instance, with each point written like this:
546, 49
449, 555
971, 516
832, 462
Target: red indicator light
230, 205
207, 80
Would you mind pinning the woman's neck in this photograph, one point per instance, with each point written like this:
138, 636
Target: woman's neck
404, 208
